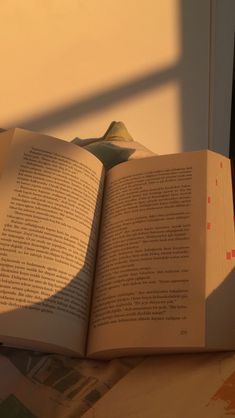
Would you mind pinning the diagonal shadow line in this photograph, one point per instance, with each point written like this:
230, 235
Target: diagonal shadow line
97, 102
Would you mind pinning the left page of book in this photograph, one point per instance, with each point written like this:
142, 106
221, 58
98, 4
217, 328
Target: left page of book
51, 194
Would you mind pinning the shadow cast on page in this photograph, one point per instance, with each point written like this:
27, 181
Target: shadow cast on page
58, 302
220, 314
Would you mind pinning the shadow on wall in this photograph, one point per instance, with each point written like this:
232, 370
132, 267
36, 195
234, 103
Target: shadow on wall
179, 72
99, 101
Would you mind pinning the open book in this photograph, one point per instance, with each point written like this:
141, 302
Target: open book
136, 260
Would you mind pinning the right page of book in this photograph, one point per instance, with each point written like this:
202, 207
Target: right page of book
149, 291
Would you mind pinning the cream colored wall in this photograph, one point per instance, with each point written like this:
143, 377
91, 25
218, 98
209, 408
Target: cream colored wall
70, 67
